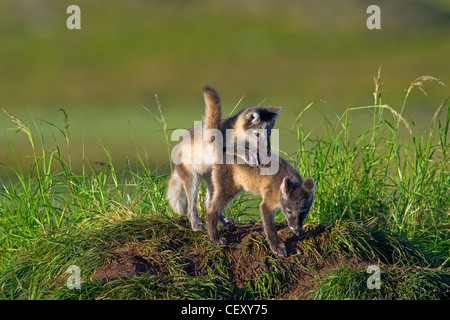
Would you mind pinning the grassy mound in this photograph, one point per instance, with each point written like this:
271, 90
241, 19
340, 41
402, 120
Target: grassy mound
381, 199
156, 257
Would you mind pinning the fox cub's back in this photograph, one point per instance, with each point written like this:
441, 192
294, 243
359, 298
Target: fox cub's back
250, 179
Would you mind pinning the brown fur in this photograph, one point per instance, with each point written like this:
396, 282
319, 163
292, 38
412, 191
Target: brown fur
285, 189
185, 180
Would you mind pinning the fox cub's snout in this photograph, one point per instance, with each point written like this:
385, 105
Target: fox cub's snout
295, 201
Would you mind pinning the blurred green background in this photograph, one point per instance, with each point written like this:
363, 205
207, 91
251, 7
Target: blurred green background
281, 53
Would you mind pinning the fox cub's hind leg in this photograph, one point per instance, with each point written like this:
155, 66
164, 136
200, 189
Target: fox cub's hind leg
209, 190
191, 183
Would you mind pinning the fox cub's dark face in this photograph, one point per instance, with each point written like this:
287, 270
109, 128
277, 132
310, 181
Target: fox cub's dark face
296, 200
258, 123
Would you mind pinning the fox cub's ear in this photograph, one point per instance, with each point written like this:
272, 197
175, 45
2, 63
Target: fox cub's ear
275, 111
286, 187
308, 186
253, 117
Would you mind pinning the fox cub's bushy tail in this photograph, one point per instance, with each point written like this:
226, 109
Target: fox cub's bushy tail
176, 194
213, 110
213, 113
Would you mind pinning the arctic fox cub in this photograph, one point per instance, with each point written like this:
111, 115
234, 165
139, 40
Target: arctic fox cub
197, 153
285, 189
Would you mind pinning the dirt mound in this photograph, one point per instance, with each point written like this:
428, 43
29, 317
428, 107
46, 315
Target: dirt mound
247, 259
127, 262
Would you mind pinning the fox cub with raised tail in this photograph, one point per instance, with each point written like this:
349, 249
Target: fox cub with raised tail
197, 153
285, 189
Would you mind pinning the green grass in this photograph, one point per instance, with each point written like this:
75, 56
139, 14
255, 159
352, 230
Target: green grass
381, 197
391, 169
40, 271
283, 55
91, 248
397, 283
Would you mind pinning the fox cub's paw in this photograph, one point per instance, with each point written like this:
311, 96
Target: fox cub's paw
197, 226
221, 242
279, 249
227, 224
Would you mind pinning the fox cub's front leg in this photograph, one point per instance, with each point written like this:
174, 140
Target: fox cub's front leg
222, 197
212, 219
277, 247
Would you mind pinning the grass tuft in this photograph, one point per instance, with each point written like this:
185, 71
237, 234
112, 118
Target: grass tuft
397, 283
